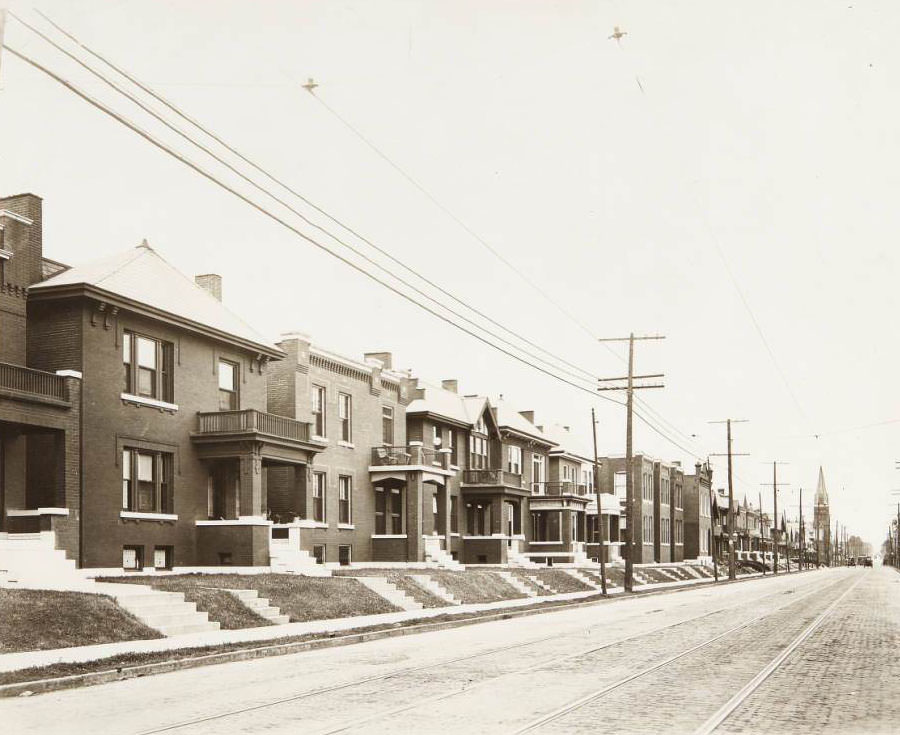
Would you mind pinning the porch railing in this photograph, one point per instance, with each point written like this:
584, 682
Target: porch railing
560, 487
386, 456
229, 422
36, 382
492, 477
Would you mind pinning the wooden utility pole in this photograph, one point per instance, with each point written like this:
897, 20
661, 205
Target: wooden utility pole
731, 530
600, 529
712, 535
802, 535
760, 524
629, 389
776, 530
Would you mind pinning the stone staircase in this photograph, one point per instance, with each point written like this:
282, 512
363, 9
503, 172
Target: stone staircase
583, 578
513, 581
32, 559
520, 561
286, 559
167, 612
435, 554
435, 588
542, 584
390, 592
261, 606
640, 578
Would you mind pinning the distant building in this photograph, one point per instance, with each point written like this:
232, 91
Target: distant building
822, 522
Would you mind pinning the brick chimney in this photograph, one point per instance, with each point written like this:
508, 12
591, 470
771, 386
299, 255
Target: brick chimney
211, 282
385, 358
451, 385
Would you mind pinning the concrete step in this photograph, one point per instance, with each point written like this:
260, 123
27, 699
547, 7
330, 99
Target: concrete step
583, 578
381, 586
436, 588
186, 629
260, 605
513, 581
160, 620
543, 585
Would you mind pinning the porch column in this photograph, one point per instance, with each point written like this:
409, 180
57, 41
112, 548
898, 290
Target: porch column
497, 519
415, 548
444, 500
251, 485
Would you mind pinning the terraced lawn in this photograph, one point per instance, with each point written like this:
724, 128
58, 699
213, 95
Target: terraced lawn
475, 585
560, 580
66, 619
402, 579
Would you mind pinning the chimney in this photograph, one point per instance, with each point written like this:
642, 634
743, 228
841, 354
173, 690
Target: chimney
451, 385
211, 282
528, 416
383, 357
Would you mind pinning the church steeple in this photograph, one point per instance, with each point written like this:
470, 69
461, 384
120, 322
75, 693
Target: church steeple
821, 492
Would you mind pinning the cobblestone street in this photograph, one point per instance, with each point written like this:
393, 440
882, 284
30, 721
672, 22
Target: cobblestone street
659, 663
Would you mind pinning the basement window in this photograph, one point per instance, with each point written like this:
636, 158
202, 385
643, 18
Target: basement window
132, 558
319, 553
163, 557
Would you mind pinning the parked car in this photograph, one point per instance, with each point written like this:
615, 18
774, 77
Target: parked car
867, 561
851, 562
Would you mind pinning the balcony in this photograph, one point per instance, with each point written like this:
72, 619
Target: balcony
24, 383
563, 487
281, 436
492, 478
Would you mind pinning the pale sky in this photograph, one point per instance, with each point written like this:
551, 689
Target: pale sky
621, 177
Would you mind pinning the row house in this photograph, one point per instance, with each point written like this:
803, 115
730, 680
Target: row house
668, 511
698, 539
643, 518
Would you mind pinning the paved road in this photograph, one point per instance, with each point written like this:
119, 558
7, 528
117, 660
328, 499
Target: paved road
663, 663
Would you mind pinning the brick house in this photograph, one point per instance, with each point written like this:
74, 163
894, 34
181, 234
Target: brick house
613, 475
698, 513
40, 399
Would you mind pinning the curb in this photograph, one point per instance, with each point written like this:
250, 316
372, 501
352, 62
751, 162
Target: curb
42, 686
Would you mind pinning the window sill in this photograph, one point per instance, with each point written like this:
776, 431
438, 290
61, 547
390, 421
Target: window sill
349, 445
346, 526
135, 516
388, 535
321, 439
151, 402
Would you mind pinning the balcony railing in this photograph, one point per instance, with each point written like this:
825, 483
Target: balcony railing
492, 477
251, 420
36, 382
387, 456
560, 487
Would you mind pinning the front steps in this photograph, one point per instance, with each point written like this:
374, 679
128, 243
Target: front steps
542, 584
584, 579
286, 559
520, 561
437, 555
260, 605
167, 612
31, 559
381, 586
513, 581
434, 587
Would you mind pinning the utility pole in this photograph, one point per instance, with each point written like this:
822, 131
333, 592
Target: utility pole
602, 531
712, 536
629, 389
731, 530
761, 545
802, 535
775, 533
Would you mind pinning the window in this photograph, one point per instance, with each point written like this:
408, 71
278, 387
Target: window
148, 366
619, 480
388, 510
344, 556
163, 557
537, 473
318, 410
132, 558
319, 553
345, 414
664, 490
453, 446
319, 497
478, 452
546, 526
228, 386
436, 436
678, 496
387, 425
454, 509
514, 460
344, 487
478, 519
146, 481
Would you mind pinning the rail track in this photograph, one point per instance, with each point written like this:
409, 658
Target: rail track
554, 660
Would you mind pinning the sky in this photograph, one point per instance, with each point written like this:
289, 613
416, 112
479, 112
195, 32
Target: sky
725, 174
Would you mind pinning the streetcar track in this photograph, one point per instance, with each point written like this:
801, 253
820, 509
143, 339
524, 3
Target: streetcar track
413, 669
727, 709
595, 695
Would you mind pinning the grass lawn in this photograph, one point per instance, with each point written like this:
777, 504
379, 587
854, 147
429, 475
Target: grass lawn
560, 580
300, 598
66, 619
222, 606
402, 579
474, 585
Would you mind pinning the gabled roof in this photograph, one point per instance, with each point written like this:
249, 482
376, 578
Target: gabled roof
569, 443
140, 277
512, 420
447, 404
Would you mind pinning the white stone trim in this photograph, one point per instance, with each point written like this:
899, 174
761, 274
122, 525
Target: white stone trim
321, 439
5, 254
70, 374
547, 543
306, 523
388, 468
349, 445
37, 512
152, 402
346, 526
242, 521
17, 217
135, 516
388, 535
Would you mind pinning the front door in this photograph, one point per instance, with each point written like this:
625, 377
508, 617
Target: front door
224, 496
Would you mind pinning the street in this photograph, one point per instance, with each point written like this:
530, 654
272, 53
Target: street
797, 653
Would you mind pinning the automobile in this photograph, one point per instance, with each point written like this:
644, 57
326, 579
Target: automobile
851, 562
867, 561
